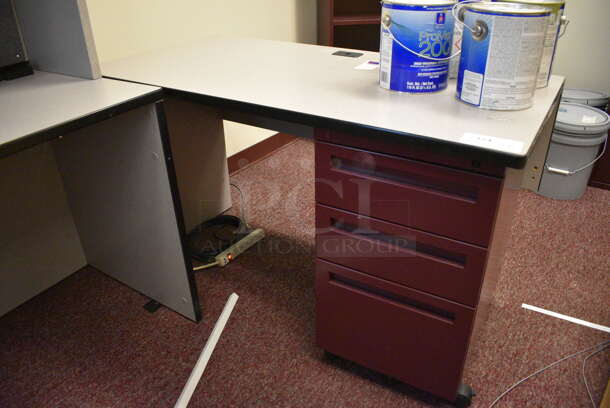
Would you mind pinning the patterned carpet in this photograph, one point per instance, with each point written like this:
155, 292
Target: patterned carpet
87, 342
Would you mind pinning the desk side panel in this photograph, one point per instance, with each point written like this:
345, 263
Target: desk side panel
502, 231
120, 194
58, 37
534, 166
11, 47
39, 244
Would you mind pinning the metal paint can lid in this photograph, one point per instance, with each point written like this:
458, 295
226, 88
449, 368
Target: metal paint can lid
508, 8
421, 2
581, 120
585, 96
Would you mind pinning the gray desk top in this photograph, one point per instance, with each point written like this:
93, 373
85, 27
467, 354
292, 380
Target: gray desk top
32, 107
308, 80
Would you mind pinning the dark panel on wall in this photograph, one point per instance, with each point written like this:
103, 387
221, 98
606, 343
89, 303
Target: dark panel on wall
359, 37
11, 46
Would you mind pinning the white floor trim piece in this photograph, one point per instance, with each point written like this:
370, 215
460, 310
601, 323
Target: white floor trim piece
568, 318
206, 353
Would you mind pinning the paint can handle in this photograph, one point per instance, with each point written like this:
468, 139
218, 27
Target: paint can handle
479, 31
458, 15
386, 22
564, 22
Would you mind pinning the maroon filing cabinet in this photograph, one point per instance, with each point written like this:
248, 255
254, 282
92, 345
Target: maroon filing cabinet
402, 244
405, 333
437, 199
413, 258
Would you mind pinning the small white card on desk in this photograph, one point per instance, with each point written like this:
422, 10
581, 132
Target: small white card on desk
368, 66
491, 142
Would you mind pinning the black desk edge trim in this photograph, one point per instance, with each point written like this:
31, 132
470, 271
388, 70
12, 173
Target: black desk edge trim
173, 181
471, 152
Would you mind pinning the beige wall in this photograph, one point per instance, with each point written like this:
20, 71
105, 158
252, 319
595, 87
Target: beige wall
583, 54
128, 27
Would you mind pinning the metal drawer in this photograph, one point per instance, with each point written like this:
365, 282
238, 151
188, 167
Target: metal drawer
437, 199
417, 338
437, 265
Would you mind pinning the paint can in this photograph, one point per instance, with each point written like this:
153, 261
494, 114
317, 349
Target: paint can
552, 36
501, 52
415, 45
454, 63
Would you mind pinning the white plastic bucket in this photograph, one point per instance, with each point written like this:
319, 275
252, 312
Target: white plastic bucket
597, 99
579, 132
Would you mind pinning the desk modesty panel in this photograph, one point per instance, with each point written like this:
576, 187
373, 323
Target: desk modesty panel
306, 84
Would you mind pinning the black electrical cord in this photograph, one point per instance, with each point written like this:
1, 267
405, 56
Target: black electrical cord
212, 237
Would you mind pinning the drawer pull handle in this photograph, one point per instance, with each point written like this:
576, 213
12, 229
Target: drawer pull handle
451, 190
405, 244
400, 301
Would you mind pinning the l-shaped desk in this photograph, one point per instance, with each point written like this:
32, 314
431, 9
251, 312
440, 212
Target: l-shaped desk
426, 182
84, 179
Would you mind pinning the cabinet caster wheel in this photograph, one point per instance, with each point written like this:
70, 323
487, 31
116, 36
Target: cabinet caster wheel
464, 396
328, 356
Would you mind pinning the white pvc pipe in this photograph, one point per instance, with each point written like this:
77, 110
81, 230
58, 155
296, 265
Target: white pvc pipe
206, 353
568, 318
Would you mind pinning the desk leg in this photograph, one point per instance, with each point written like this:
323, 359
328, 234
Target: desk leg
534, 167
200, 159
116, 178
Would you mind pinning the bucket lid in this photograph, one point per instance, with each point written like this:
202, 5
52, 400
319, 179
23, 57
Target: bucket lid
584, 96
577, 119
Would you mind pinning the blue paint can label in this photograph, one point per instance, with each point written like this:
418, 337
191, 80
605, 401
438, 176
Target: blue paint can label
499, 70
424, 29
